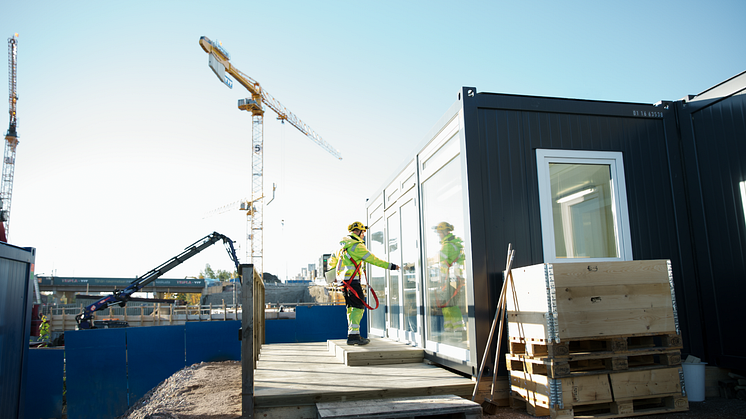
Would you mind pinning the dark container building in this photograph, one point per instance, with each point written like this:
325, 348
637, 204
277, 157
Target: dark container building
16, 300
562, 179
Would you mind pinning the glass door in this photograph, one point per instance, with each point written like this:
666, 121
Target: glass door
377, 279
403, 290
410, 270
393, 289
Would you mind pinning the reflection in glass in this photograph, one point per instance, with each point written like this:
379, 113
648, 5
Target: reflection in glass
377, 277
582, 210
393, 257
445, 287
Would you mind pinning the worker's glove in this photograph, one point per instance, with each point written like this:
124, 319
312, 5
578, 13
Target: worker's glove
394, 267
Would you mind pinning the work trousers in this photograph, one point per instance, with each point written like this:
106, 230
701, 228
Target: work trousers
355, 308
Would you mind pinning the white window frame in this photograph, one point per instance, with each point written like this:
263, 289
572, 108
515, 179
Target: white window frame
619, 194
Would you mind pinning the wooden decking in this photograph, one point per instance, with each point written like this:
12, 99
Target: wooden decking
291, 378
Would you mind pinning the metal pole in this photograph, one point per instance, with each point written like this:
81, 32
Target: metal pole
247, 341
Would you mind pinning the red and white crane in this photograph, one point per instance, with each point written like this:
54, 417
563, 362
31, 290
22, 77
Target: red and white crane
11, 140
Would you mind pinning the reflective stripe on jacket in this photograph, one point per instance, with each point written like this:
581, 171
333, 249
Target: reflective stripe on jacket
353, 249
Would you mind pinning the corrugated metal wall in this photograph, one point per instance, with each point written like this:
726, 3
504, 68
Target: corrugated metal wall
713, 140
16, 267
502, 134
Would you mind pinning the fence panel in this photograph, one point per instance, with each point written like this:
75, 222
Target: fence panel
44, 383
96, 373
153, 354
212, 341
319, 323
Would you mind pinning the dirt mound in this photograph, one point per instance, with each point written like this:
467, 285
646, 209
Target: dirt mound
207, 389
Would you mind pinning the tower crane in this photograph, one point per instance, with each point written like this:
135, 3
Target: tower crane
219, 62
11, 139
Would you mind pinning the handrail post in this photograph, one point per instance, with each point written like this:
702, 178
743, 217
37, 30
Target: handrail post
247, 341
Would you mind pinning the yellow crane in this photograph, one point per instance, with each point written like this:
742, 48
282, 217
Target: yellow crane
11, 138
219, 62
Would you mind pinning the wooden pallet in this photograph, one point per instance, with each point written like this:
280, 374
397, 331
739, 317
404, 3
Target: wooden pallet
615, 344
594, 363
618, 394
629, 408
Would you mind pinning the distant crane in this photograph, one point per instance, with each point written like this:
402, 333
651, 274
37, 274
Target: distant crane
219, 62
11, 138
244, 205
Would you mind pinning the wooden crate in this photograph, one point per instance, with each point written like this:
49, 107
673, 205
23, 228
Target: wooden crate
585, 300
613, 395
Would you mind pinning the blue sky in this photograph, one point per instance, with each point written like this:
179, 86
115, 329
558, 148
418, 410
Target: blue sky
127, 138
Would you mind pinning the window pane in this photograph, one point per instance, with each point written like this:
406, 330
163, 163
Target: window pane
395, 310
377, 276
409, 259
445, 282
582, 211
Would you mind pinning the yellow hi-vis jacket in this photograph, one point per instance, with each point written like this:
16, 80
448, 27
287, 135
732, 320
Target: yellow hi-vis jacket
353, 249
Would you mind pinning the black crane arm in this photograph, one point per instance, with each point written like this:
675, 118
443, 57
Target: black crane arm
122, 296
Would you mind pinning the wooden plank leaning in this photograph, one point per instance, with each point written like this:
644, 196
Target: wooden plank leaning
488, 404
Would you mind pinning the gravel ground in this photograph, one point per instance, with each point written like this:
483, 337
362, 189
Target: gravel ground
213, 390
205, 390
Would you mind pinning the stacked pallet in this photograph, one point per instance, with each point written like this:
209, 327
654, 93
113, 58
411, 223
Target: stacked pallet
596, 339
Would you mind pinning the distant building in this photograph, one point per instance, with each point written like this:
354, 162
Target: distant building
311, 271
323, 262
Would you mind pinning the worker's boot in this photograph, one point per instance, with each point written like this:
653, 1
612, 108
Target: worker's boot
357, 340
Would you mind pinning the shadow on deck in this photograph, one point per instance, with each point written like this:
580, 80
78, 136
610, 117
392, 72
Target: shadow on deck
291, 378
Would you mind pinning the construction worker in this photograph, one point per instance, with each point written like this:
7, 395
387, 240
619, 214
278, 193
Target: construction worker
451, 265
44, 329
349, 263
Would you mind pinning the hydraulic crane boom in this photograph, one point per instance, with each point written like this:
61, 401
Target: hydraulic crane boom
121, 297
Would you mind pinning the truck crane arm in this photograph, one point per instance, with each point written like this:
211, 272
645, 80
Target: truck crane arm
121, 297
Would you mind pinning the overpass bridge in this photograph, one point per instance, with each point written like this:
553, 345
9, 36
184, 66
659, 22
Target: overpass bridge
68, 284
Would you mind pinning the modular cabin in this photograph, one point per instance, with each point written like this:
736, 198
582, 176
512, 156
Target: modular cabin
564, 181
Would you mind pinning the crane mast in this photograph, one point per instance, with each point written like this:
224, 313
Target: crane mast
219, 62
11, 137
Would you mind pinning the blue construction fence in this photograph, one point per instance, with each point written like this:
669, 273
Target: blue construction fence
108, 370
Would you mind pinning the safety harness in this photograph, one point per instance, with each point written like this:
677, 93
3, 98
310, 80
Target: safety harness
348, 284
460, 284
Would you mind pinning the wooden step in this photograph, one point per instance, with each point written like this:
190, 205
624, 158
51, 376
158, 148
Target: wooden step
377, 352
410, 407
